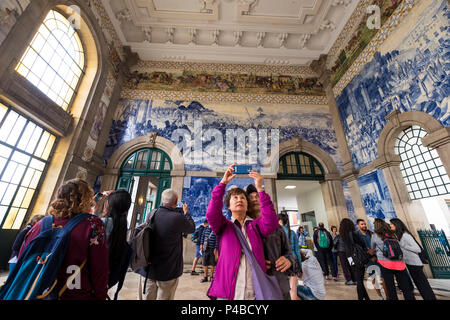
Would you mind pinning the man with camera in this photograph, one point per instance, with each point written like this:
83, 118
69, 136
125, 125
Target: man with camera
170, 223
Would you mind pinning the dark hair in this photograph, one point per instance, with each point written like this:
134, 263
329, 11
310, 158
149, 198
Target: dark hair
285, 221
359, 220
250, 189
72, 197
232, 192
119, 202
333, 227
381, 228
400, 227
346, 226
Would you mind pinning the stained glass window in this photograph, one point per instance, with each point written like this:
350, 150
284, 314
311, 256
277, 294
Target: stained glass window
25, 150
421, 167
54, 60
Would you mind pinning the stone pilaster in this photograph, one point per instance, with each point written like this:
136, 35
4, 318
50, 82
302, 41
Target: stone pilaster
349, 174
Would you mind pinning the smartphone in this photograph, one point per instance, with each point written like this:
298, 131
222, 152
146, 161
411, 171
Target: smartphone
242, 169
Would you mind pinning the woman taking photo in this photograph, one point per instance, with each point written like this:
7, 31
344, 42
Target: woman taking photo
233, 278
390, 267
411, 251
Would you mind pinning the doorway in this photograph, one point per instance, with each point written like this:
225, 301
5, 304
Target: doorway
299, 192
145, 174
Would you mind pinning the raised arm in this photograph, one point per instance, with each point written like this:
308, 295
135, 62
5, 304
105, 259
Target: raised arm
214, 212
268, 222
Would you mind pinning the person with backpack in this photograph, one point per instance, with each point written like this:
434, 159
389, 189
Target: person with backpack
19, 240
209, 247
324, 242
356, 254
196, 239
81, 268
283, 220
277, 251
390, 255
117, 204
412, 252
166, 262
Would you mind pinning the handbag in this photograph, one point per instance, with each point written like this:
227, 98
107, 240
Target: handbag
422, 254
266, 287
359, 255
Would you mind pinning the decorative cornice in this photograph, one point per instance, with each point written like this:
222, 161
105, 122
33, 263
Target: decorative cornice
394, 20
223, 97
146, 66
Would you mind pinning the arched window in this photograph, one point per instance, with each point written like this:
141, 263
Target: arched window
300, 165
144, 162
54, 61
25, 150
421, 167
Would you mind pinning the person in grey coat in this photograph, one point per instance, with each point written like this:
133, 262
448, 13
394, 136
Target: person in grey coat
411, 250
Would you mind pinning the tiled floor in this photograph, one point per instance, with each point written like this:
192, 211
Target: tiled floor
190, 288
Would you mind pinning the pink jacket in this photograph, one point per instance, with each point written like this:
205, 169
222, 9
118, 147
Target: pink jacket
224, 282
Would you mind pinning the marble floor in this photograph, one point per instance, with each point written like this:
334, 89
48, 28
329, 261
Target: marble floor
190, 288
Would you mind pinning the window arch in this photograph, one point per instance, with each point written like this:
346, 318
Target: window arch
300, 165
55, 59
421, 167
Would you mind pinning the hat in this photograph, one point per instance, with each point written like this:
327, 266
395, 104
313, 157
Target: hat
250, 189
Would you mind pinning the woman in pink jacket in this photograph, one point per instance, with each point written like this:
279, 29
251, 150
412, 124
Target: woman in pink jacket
233, 276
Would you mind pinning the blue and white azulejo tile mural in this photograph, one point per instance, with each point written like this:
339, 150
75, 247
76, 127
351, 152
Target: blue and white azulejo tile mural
410, 72
194, 127
376, 197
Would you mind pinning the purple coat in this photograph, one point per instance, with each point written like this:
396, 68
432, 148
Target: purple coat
224, 282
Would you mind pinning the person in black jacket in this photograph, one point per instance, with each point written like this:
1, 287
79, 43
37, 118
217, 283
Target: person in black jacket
170, 223
324, 243
19, 240
350, 238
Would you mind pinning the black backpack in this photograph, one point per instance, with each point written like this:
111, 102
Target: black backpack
391, 248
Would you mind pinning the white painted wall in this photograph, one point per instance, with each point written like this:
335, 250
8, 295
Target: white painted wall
313, 201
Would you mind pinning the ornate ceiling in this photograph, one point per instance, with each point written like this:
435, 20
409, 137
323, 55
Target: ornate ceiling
270, 32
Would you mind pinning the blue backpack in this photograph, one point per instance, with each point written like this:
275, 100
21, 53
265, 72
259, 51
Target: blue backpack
34, 276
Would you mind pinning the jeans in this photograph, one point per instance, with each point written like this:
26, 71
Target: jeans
421, 282
305, 293
334, 256
403, 281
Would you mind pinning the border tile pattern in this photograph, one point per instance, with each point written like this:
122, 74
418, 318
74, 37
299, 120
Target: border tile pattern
205, 97
304, 71
401, 12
